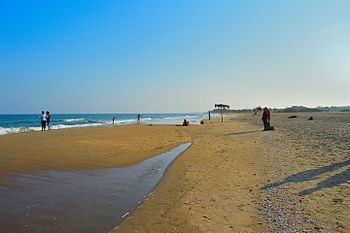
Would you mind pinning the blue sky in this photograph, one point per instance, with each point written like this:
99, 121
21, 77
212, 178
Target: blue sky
172, 56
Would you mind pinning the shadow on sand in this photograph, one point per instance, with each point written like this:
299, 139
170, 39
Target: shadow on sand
308, 175
243, 132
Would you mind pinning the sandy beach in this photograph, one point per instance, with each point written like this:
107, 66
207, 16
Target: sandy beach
111, 116
234, 177
86, 148
237, 178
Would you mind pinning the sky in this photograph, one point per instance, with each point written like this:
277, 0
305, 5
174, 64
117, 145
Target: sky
157, 56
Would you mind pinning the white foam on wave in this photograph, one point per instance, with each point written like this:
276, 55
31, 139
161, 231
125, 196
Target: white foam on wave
74, 120
124, 122
181, 117
131, 121
165, 120
62, 126
10, 130
146, 119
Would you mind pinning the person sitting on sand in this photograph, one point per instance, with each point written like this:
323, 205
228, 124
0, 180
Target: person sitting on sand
43, 121
185, 123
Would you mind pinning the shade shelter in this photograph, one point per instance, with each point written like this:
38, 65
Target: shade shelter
222, 107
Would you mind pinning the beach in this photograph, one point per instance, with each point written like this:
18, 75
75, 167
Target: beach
212, 187
86, 148
233, 178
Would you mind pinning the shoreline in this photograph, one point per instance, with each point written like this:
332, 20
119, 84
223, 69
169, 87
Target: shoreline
86, 148
10, 124
234, 177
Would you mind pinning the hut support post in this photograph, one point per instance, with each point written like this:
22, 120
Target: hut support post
222, 115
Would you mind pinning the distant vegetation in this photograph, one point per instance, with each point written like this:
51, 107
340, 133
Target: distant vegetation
296, 109
318, 109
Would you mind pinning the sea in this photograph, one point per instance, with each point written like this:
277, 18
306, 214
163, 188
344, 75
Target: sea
20, 123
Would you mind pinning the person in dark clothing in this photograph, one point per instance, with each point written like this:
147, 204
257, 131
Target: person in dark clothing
265, 118
268, 117
185, 123
138, 118
48, 119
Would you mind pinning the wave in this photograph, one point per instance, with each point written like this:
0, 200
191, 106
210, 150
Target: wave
146, 119
63, 126
80, 122
10, 130
123, 122
74, 120
181, 117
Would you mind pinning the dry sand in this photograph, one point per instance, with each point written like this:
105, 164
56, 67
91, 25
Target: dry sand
234, 178
212, 187
309, 169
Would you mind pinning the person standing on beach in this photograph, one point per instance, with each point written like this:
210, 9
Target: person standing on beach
268, 118
43, 121
48, 119
264, 118
138, 118
113, 120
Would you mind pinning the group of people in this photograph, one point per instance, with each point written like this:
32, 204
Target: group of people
45, 120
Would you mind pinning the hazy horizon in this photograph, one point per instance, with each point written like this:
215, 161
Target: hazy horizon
172, 56
205, 111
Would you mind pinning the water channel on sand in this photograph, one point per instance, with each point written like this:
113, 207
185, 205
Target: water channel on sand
88, 201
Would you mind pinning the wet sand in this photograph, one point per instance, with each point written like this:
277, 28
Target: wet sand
234, 177
101, 198
86, 148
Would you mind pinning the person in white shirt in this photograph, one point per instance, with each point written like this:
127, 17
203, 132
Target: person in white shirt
43, 121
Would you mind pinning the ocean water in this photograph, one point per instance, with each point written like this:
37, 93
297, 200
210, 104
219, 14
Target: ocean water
11, 123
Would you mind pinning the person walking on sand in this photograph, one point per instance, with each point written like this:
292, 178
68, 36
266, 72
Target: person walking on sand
43, 121
264, 118
138, 118
48, 119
